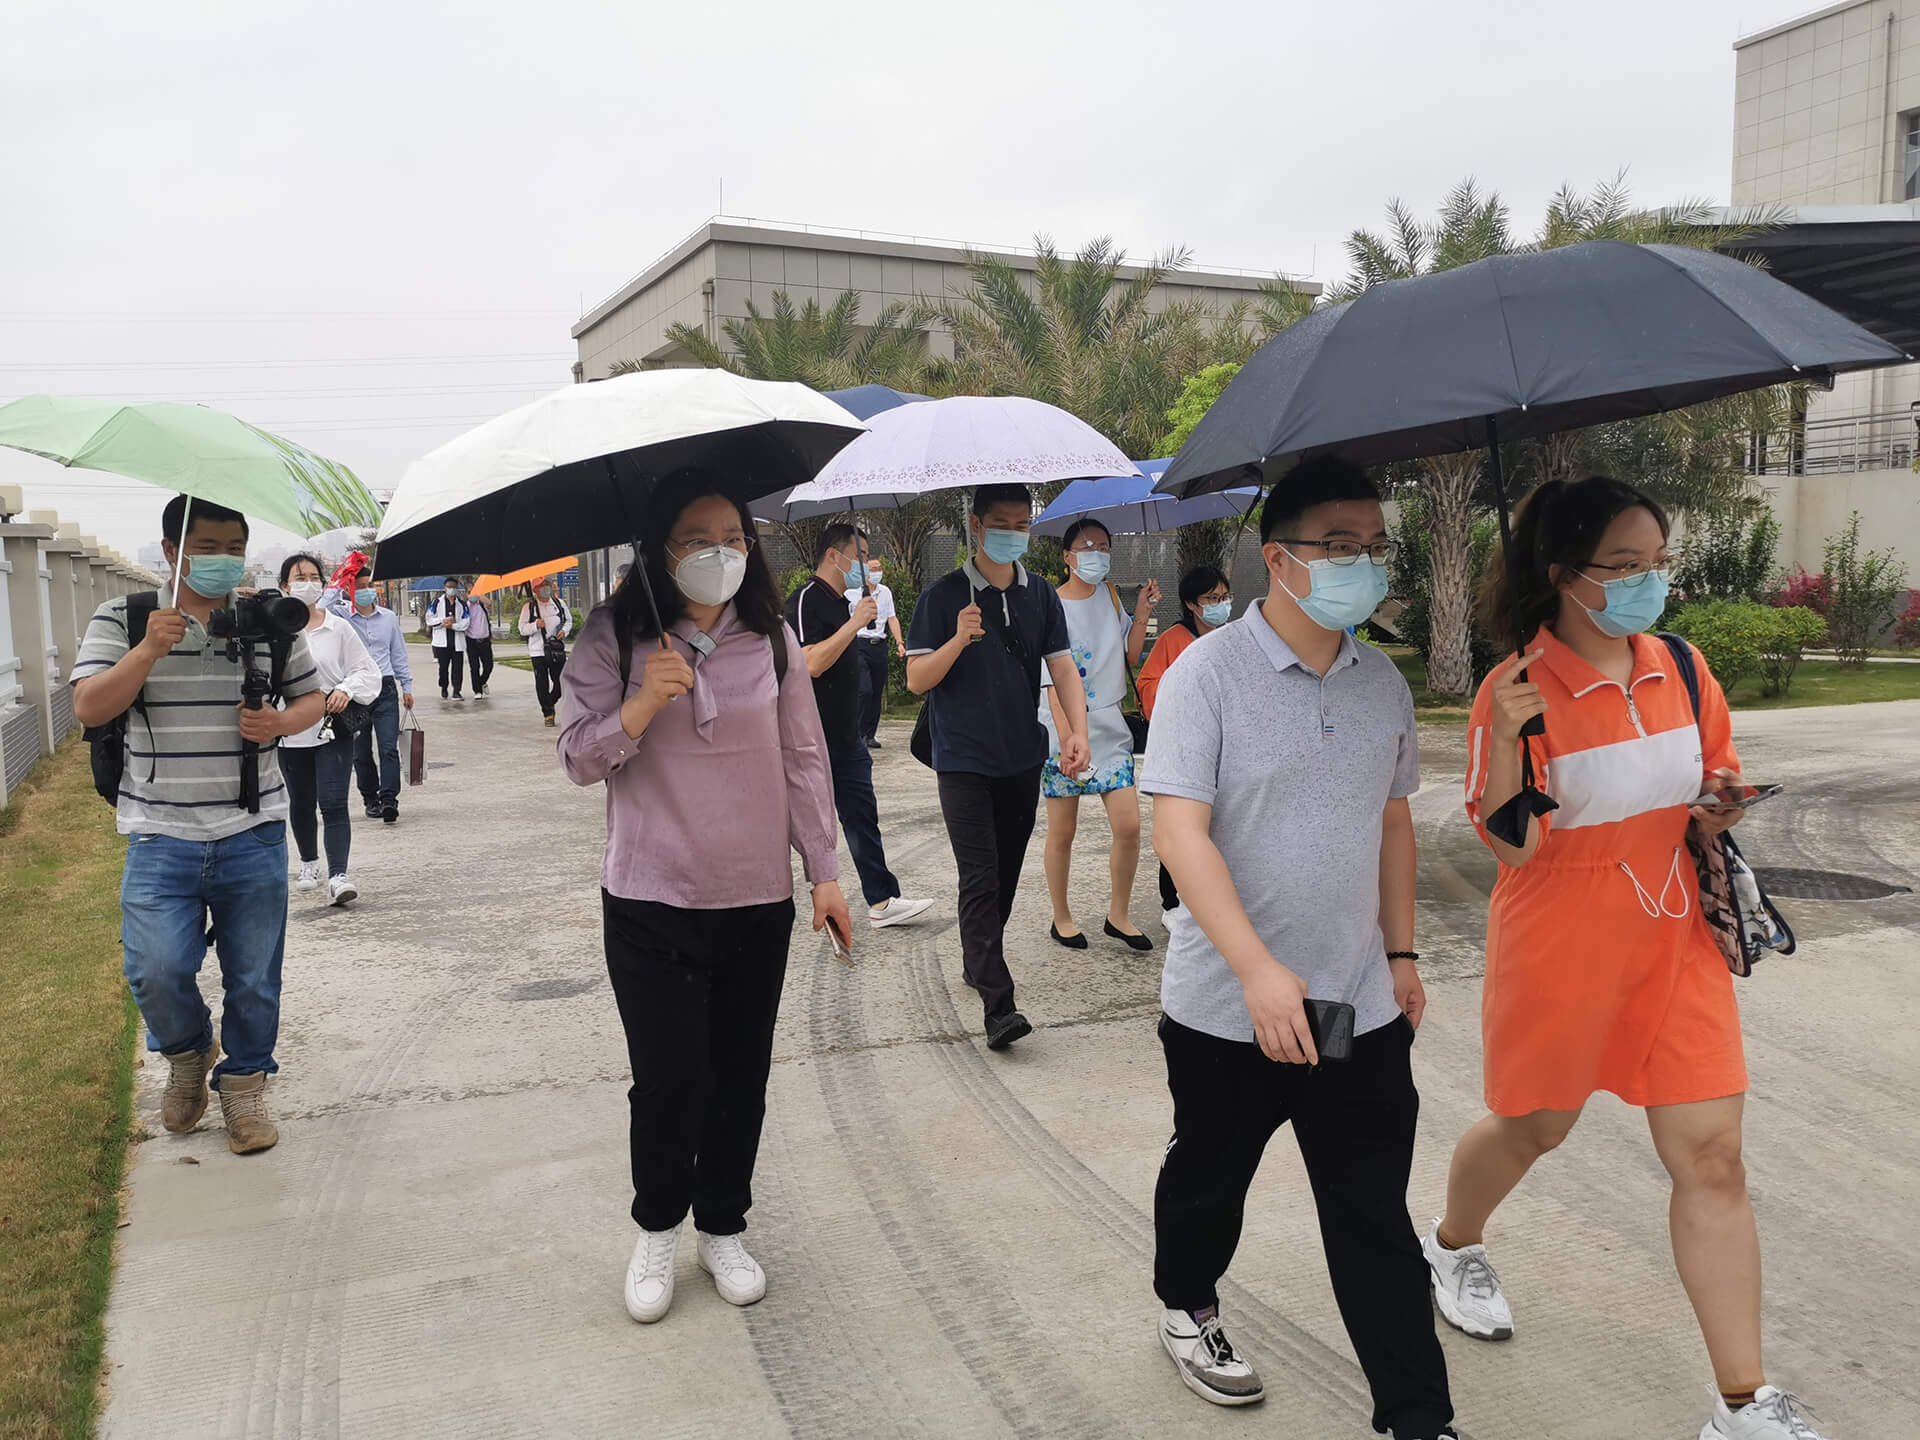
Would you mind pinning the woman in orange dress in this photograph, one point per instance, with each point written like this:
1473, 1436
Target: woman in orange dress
1206, 603
1601, 971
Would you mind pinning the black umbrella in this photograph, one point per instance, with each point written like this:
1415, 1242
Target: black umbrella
1509, 348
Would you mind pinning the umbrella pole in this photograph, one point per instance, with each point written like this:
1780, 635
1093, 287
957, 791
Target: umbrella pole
180, 551
1537, 725
639, 570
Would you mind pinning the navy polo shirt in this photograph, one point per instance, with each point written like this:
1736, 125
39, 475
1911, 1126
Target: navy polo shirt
983, 715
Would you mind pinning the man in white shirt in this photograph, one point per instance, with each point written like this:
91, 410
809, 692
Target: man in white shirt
870, 649
447, 624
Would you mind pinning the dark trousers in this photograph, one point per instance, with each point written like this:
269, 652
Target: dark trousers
480, 662
546, 684
1169, 893
452, 664
698, 992
989, 820
1354, 1124
317, 776
873, 684
377, 786
860, 820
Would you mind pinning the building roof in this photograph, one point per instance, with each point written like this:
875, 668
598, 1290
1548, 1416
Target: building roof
1862, 260
1772, 30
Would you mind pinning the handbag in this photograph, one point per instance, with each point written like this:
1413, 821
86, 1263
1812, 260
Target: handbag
351, 721
1135, 718
1740, 915
416, 748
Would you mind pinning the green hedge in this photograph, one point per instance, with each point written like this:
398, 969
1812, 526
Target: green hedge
1741, 638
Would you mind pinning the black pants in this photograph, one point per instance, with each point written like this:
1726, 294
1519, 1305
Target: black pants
698, 992
318, 776
480, 662
452, 664
860, 820
873, 684
989, 820
546, 683
1169, 893
1354, 1124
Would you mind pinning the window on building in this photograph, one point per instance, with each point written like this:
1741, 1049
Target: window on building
1910, 161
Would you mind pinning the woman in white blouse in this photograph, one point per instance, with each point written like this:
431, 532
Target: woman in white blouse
318, 763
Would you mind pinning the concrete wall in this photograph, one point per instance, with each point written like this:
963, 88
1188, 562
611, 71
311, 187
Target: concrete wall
1812, 507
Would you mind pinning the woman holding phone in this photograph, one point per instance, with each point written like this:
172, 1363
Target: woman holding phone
715, 767
1601, 971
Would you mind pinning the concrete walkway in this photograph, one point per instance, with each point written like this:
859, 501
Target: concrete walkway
959, 1244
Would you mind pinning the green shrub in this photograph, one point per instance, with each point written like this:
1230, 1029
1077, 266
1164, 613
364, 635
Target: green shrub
1728, 555
793, 579
1782, 634
1727, 633
1866, 587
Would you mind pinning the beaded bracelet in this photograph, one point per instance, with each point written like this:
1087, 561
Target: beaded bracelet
1403, 954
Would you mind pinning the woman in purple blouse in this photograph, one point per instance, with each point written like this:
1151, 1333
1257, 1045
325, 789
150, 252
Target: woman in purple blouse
715, 766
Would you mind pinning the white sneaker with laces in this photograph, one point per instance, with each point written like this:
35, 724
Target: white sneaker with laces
1772, 1415
1206, 1359
736, 1274
650, 1274
898, 911
309, 875
340, 890
1466, 1289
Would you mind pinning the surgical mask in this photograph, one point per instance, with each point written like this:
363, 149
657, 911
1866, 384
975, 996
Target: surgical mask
873, 572
365, 598
1092, 566
1003, 547
214, 576
711, 577
1629, 608
307, 591
857, 576
1341, 595
1218, 613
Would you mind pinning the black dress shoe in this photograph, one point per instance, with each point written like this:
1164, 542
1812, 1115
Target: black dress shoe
1135, 942
373, 810
1003, 1030
873, 743
1072, 942
390, 812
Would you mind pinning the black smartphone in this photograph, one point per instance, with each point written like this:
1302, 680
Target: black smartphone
1330, 1022
1741, 799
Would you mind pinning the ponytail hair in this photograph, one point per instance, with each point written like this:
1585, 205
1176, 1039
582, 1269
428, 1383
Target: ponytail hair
1559, 525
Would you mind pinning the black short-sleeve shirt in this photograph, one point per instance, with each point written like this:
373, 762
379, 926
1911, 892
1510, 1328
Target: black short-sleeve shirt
816, 611
985, 719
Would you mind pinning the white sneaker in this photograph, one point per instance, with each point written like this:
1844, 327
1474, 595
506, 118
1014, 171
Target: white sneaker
1772, 1415
309, 876
898, 911
340, 890
736, 1274
650, 1274
1206, 1360
1467, 1289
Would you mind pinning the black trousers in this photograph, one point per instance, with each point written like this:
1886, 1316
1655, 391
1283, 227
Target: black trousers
1354, 1123
1169, 892
318, 777
546, 684
873, 684
989, 821
698, 991
480, 662
452, 665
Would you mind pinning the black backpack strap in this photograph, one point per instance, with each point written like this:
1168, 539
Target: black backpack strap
1683, 661
779, 642
140, 607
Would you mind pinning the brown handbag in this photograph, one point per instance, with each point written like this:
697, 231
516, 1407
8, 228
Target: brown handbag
416, 748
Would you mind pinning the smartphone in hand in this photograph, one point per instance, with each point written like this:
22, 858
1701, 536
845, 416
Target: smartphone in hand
1739, 798
842, 950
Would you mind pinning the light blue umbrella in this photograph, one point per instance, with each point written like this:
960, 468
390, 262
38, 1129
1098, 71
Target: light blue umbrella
1126, 504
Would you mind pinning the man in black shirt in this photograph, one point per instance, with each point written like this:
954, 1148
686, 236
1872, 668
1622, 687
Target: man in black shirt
818, 613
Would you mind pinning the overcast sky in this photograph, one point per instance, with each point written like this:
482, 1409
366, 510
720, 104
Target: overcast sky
370, 225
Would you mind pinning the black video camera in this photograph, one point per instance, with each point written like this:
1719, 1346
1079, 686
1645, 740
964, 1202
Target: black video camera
259, 616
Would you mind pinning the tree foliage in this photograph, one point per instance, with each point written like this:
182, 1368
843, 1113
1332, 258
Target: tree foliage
1728, 555
1864, 587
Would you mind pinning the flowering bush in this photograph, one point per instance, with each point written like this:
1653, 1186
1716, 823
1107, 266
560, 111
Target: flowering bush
1812, 592
1906, 630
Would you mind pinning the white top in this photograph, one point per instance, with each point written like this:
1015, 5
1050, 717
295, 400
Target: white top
436, 612
1098, 629
341, 663
558, 619
883, 597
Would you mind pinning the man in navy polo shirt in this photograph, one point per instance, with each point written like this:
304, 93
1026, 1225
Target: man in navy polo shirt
978, 638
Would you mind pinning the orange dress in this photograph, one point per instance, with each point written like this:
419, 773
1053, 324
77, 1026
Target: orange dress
1601, 972
1167, 649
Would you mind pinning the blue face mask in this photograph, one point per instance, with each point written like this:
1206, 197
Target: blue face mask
1629, 608
1003, 547
1218, 613
1341, 595
857, 576
365, 598
1092, 566
213, 576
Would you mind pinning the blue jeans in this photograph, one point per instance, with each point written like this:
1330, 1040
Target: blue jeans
165, 895
860, 819
385, 733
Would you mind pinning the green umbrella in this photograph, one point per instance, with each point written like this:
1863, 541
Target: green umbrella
195, 451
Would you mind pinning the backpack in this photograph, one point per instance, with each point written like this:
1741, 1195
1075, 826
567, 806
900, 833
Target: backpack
108, 742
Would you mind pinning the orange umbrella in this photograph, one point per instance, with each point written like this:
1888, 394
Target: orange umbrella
487, 584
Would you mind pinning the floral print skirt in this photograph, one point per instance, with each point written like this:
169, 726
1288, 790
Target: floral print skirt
1112, 746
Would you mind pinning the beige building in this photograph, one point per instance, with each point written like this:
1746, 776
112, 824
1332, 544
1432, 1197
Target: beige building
709, 277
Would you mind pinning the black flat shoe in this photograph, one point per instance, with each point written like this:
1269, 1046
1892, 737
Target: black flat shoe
1072, 942
1003, 1030
1135, 942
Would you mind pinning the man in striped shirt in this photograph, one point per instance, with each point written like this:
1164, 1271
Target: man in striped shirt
192, 848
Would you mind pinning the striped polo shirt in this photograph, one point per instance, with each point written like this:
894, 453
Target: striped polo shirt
182, 775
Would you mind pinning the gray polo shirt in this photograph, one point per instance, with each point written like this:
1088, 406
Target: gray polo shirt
1298, 768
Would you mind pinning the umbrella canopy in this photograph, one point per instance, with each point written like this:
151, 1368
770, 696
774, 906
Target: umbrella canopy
961, 443
428, 582
195, 451
526, 575
863, 402
1128, 505
1516, 347
572, 471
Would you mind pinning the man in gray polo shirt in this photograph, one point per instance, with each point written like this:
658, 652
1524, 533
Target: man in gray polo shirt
1283, 753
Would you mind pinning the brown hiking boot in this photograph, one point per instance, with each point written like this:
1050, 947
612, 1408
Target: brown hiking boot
186, 1098
243, 1105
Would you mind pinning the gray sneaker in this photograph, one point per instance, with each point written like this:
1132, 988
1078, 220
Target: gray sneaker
1206, 1360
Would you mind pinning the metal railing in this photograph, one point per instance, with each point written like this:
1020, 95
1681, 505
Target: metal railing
1834, 444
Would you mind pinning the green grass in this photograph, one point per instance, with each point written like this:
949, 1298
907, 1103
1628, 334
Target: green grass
67, 1054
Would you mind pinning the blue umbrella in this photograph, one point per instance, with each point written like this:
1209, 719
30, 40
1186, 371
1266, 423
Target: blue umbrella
863, 402
1127, 505
428, 582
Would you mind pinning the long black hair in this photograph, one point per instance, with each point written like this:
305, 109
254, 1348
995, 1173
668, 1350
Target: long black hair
757, 604
1195, 583
286, 566
1561, 524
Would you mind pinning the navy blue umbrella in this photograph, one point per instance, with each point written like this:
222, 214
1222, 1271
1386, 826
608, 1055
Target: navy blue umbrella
864, 402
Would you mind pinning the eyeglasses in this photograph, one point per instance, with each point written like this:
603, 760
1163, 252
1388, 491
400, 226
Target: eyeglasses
739, 544
1633, 574
1345, 552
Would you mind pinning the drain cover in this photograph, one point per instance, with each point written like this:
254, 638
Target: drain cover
550, 989
1787, 884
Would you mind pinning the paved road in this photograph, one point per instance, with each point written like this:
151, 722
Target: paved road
959, 1243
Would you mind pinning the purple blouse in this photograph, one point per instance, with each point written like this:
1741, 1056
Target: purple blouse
702, 808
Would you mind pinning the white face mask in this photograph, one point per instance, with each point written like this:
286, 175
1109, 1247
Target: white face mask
711, 576
308, 591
